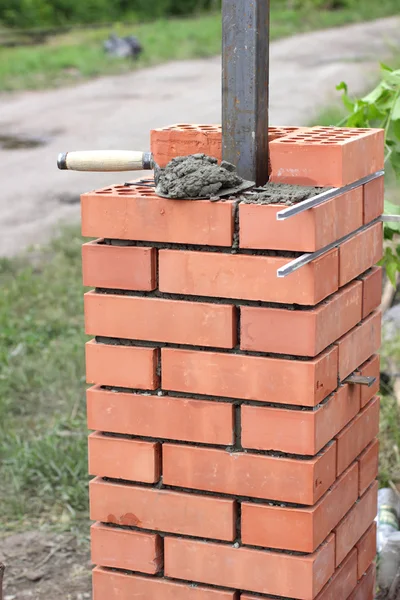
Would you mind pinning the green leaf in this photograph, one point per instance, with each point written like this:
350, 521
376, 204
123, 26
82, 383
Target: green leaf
396, 129
392, 77
395, 162
376, 94
342, 86
388, 232
374, 113
390, 228
386, 102
391, 209
386, 67
394, 228
391, 271
349, 105
396, 110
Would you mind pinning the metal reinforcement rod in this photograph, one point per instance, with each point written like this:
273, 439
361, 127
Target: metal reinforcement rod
304, 259
324, 197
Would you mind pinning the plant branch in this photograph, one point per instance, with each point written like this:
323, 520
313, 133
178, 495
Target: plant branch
389, 293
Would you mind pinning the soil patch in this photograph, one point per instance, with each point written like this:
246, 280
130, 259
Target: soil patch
13, 142
45, 565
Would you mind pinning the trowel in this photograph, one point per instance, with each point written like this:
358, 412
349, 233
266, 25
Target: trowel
127, 160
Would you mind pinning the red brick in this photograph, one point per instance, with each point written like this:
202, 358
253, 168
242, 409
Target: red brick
124, 549
119, 267
343, 581
246, 277
374, 193
321, 156
371, 368
253, 570
365, 589
118, 458
372, 290
366, 549
159, 320
356, 522
305, 232
360, 252
271, 477
162, 510
327, 156
162, 417
304, 383
368, 464
299, 529
135, 213
301, 332
298, 431
354, 438
359, 344
109, 585
184, 139
121, 366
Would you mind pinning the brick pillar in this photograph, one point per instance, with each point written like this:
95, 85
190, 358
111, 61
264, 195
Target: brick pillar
230, 459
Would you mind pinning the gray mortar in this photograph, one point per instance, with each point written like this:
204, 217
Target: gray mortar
196, 176
112, 341
223, 399
196, 247
214, 300
281, 193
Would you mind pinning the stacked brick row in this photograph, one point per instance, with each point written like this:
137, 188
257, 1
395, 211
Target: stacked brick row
231, 459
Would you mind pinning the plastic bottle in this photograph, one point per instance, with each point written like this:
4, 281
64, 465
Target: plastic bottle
387, 519
388, 537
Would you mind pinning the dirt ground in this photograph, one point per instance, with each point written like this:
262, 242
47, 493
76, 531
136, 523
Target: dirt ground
41, 566
118, 113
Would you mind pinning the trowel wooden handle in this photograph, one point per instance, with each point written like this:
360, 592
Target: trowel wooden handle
105, 160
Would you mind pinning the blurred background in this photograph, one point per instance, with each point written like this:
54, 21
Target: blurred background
95, 74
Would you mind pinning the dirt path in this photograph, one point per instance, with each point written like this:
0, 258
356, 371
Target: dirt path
118, 112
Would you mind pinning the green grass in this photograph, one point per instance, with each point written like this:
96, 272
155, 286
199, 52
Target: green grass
74, 56
43, 464
79, 55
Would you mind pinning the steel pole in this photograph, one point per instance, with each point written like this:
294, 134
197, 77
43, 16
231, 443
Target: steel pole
245, 79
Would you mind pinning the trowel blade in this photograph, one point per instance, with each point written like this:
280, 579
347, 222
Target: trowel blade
246, 185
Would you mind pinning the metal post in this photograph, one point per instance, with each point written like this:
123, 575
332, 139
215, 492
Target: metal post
245, 79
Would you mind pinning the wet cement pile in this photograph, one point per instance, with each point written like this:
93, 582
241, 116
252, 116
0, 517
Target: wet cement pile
196, 176
281, 193
200, 176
